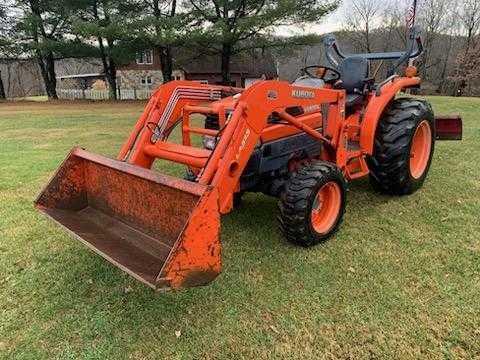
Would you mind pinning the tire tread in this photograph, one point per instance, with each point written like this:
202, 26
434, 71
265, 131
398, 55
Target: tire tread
295, 202
389, 166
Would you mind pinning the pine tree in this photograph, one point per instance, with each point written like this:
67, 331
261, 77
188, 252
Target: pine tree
110, 24
230, 27
41, 30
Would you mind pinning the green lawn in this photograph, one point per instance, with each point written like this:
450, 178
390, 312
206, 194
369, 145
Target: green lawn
401, 279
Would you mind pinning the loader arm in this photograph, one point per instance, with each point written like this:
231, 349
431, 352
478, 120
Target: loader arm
255, 106
247, 120
163, 111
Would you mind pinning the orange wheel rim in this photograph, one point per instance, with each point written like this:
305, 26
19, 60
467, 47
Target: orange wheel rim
326, 207
420, 149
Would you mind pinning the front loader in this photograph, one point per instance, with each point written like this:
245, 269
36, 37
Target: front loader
300, 142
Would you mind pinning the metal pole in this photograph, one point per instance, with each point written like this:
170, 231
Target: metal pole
412, 15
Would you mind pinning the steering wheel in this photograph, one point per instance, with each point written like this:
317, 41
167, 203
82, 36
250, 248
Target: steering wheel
320, 72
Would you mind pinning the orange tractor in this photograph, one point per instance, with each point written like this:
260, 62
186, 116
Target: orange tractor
301, 142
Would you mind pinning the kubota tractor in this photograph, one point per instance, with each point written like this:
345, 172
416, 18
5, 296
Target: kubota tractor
301, 142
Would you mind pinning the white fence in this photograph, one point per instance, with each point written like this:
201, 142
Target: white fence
122, 94
134, 94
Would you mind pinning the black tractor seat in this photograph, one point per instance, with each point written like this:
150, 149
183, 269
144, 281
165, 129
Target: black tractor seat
354, 79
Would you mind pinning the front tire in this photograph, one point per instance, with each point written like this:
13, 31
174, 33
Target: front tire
313, 204
404, 145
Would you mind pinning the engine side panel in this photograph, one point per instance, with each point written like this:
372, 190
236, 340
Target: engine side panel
270, 162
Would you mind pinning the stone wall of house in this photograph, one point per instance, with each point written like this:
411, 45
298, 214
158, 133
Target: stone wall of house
21, 78
69, 84
132, 79
178, 74
78, 83
81, 83
72, 66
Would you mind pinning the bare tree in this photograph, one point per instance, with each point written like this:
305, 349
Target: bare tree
469, 65
361, 17
445, 85
394, 19
469, 15
432, 18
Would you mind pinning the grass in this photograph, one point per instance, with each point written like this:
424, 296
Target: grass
38, 98
400, 280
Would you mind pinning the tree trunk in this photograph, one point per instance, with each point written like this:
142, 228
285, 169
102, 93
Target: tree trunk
47, 69
45, 59
109, 66
367, 38
52, 77
443, 74
166, 61
3, 95
226, 57
111, 75
165, 51
110, 70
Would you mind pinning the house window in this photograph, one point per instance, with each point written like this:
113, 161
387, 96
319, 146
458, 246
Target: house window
178, 77
147, 80
145, 57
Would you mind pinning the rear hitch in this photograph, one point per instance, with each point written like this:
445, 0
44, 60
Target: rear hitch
449, 127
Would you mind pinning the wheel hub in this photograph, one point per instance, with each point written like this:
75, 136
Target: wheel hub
326, 207
420, 149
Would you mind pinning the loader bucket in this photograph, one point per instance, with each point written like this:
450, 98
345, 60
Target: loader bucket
161, 230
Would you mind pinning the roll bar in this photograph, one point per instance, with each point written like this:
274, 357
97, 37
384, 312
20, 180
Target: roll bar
414, 49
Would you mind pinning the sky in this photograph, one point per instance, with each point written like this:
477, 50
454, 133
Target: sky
334, 21
331, 23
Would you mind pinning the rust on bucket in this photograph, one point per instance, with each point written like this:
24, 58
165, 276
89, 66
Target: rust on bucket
161, 230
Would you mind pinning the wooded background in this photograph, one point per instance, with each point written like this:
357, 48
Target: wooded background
115, 30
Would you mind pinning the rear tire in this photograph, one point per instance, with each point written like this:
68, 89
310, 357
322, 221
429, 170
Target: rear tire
404, 145
312, 204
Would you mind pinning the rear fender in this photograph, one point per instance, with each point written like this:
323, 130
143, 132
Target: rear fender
377, 105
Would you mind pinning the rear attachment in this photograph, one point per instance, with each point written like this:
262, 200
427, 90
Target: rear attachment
161, 230
448, 127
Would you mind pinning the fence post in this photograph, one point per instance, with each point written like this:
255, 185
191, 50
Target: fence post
83, 94
135, 93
